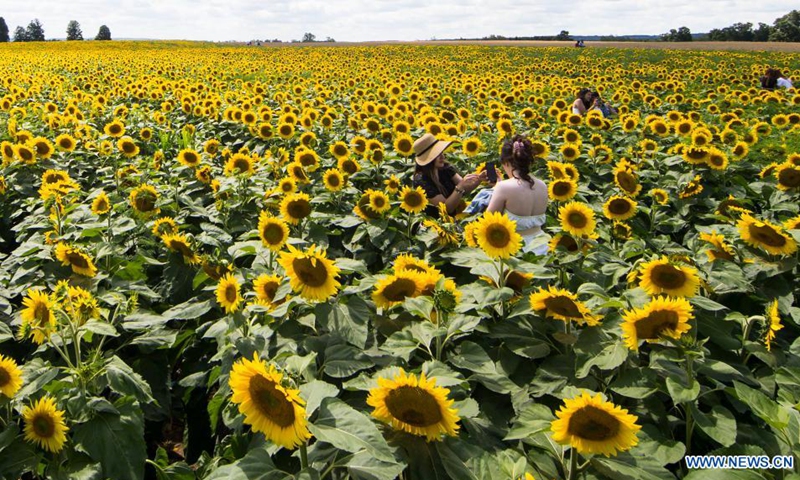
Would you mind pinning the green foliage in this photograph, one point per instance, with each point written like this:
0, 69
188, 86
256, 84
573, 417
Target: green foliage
103, 34
74, 31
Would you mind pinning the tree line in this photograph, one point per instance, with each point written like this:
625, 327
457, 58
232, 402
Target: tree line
35, 32
784, 29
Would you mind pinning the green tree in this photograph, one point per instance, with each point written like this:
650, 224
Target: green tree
103, 34
74, 30
563, 35
786, 28
35, 31
682, 34
309, 37
761, 34
20, 35
3, 30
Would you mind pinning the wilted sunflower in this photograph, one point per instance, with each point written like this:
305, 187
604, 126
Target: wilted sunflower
189, 157
788, 176
414, 405
270, 408
660, 317
619, 208
101, 204
80, 262
44, 425
178, 242
333, 180
764, 235
774, 318
311, 273
562, 305
38, 319
577, 218
660, 276
10, 376
143, 200
239, 164
497, 235
227, 292
591, 425
295, 207
393, 289
273, 231
413, 199
721, 248
562, 189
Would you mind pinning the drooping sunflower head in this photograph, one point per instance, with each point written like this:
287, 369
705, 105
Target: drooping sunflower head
266, 287
764, 235
143, 200
70, 256
38, 319
179, 243
661, 276
394, 289
414, 405
10, 377
660, 317
721, 248
44, 425
577, 218
295, 207
269, 407
562, 305
773, 317
788, 175
310, 272
592, 425
414, 199
497, 235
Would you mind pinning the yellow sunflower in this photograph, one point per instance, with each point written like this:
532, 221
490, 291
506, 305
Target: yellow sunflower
393, 289
339, 150
392, 184
627, 181
721, 249
127, 146
333, 180
295, 207
792, 223
660, 195
591, 425
577, 218
788, 176
407, 261
570, 151
273, 231
660, 276
562, 189
311, 273
44, 425
268, 407
115, 129
164, 226
189, 157
497, 235
661, 316
404, 145
562, 305
179, 243
472, 146
239, 164
228, 293
774, 319
266, 286
143, 200
38, 319
414, 199
80, 262
414, 405
101, 204
378, 201
619, 208
66, 143
764, 235
10, 376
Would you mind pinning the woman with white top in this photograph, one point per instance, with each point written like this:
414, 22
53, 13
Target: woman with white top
522, 197
582, 102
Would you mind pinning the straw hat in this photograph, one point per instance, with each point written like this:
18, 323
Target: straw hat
427, 148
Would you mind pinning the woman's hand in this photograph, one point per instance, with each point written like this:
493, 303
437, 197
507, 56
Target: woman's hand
471, 181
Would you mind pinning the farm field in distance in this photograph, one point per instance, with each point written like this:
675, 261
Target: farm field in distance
214, 264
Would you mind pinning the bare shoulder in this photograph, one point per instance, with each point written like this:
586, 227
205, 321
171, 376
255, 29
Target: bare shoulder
539, 183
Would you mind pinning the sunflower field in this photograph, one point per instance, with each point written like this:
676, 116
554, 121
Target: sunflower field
214, 264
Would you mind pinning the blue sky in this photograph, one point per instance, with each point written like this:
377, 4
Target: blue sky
366, 20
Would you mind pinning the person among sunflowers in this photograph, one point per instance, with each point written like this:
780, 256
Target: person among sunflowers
599, 104
522, 197
583, 102
441, 182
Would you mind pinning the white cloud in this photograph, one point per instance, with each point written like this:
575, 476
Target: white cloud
354, 20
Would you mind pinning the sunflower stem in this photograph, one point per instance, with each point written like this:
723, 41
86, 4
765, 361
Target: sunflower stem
745, 334
304, 456
573, 464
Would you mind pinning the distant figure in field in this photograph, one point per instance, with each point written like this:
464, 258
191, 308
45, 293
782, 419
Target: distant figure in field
582, 102
770, 79
598, 104
782, 81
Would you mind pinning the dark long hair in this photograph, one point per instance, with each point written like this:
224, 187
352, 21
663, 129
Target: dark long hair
429, 171
582, 96
518, 152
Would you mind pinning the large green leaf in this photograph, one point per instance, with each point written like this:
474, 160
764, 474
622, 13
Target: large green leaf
255, 465
718, 424
766, 409
124, 380
626, 467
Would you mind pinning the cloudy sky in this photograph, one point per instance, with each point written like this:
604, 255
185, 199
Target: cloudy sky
365, 20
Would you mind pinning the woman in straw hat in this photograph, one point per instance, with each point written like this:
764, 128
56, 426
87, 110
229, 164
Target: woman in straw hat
441, 182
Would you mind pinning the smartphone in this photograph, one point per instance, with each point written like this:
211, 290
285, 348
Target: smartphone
491, 173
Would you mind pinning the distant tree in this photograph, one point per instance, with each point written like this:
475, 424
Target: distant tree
761, 34
786, 28
74, 30
329, 39
3, 30
309, 37
35, 31
20, 35
563, 35
682, 34
103, 34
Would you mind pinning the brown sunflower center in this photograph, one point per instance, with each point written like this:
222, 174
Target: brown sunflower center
412, 199
190, 158
128, 147
564, 306
334, 181
5, 377
378, 202
25, 154
298, 208
405, 146
102, 204
568, 242
498, 236
627, 181
339, 150
144, 202
181, 247
414, 406
789, 177
562, 188
272, 233
77, 259
399, 289
516, 281
53, 178
593, 424
310, 271
242, 164
667, 277
114, 129
349, 166
577, 219
767, 235
651, 327
268, 290
619, 206
271, 402
43, 426
307, 160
